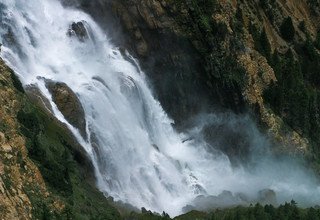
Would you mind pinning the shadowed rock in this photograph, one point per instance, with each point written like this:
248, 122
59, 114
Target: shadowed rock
79, 30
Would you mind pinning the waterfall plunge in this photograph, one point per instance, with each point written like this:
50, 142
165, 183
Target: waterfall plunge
139, 158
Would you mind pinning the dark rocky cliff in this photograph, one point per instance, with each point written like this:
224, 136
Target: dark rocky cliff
257, 57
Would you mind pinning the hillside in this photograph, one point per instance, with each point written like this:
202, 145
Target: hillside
249, 56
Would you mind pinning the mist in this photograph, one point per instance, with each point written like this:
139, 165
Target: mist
259, 173
221, 160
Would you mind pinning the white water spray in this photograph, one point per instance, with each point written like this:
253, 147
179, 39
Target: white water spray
139, 158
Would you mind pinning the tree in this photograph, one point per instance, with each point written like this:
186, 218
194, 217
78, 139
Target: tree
287, 29
312, 214
265, 44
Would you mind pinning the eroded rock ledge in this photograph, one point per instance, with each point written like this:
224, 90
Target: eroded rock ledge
69, 105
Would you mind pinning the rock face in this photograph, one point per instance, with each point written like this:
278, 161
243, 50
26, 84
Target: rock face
179, 50
78, 30
20, 179
69, 105
44, 172
149, 31
204, 54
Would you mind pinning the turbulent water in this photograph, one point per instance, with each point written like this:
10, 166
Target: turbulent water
139, 158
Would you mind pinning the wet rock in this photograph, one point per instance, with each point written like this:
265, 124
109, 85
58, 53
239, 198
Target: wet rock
79, 30
37, 97
69, 105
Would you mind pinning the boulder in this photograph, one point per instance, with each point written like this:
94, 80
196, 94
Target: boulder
69, 105
78, 30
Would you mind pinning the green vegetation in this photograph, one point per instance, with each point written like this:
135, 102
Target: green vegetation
50, 147
269, 7
261, 41
64, 169
290, 96
288, 211
314, 6
296, 94
7, 182
223, 78
265, 47
287, 29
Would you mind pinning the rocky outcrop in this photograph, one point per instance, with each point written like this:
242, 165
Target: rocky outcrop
69, 105
78, 30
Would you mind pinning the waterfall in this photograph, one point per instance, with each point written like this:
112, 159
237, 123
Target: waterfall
138, 157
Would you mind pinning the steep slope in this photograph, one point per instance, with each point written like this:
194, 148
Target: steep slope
43, 171
19, 175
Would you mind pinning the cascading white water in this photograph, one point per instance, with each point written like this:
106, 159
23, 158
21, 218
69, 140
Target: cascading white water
138, 156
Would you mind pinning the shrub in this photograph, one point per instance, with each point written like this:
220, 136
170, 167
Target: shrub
29, 122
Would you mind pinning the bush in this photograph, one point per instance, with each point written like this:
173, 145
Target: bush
29, 122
